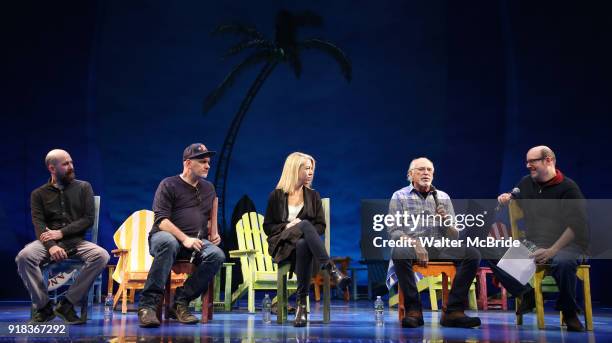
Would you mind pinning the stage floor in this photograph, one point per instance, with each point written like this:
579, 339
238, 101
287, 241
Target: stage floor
352, 321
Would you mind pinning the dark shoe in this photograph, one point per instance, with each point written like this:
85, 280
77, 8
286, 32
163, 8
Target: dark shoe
458, 319
570, 318
290, 309
65, 310
301, 315
147, 318
413, 319
180, 312
527, 302
44, 314
338, 278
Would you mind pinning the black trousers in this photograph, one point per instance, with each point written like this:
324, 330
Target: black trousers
308, 248
466, 259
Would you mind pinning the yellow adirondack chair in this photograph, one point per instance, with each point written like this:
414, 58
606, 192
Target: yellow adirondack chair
134, 259
259, 272
543, 283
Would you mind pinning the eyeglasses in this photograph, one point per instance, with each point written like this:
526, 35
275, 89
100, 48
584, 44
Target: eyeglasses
422, 169
534, 160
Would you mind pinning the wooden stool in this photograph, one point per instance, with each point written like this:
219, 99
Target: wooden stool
446, 269
184, 267
483, 302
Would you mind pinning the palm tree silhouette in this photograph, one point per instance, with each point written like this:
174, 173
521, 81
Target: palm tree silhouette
285, 48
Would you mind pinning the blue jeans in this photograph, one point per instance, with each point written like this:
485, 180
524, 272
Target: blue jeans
165, 249
563, 267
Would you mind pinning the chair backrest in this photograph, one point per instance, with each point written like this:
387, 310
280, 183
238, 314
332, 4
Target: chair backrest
516, 214
326, 205
133, 235
54, 273
250, 234
92, 234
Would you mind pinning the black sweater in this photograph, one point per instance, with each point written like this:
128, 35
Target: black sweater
281, 241
186, 206
551, 208
70, 210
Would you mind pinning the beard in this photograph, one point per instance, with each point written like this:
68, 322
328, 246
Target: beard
67, 178
424, 184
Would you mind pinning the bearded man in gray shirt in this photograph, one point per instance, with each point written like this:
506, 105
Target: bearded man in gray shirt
62, 211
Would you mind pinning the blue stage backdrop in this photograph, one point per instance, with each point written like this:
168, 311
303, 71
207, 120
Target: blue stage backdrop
472, 86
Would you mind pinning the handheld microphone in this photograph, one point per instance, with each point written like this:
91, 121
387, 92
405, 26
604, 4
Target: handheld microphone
195, 253
434, 193
515, 192
513, 195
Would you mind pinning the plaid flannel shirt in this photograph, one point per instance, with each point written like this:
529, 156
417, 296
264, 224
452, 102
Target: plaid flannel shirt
409, 200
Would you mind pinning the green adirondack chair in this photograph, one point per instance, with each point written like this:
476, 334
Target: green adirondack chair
259, 272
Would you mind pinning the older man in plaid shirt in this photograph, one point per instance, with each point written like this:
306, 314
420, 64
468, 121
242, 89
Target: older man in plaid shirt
427, 213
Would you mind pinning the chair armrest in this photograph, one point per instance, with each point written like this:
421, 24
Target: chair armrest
239, 253
118, 252
228, 266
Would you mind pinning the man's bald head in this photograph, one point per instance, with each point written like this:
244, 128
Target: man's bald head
543, 151
59, 164
54, 156
540, 161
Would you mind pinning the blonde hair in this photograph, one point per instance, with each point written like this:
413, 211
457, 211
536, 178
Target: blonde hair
291, 171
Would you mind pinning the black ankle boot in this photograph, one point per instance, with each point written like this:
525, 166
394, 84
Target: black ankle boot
301, 315
342, 281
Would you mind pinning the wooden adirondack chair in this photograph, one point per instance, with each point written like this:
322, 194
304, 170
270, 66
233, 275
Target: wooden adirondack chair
545, 283
435, 284
134, 259
259, 272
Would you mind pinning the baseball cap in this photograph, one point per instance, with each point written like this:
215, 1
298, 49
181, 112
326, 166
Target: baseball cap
196, 151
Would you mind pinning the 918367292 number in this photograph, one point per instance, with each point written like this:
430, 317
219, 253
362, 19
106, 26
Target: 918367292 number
33, 329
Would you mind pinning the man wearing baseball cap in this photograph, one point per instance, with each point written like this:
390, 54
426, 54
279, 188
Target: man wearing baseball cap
185, 207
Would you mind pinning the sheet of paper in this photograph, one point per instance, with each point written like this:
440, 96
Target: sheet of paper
518, 264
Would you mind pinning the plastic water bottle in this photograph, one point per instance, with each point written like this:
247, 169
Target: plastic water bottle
266, 309
379, 312
529, 245
108, 306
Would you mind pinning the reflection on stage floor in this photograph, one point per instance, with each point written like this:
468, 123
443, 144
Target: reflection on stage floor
351, 321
